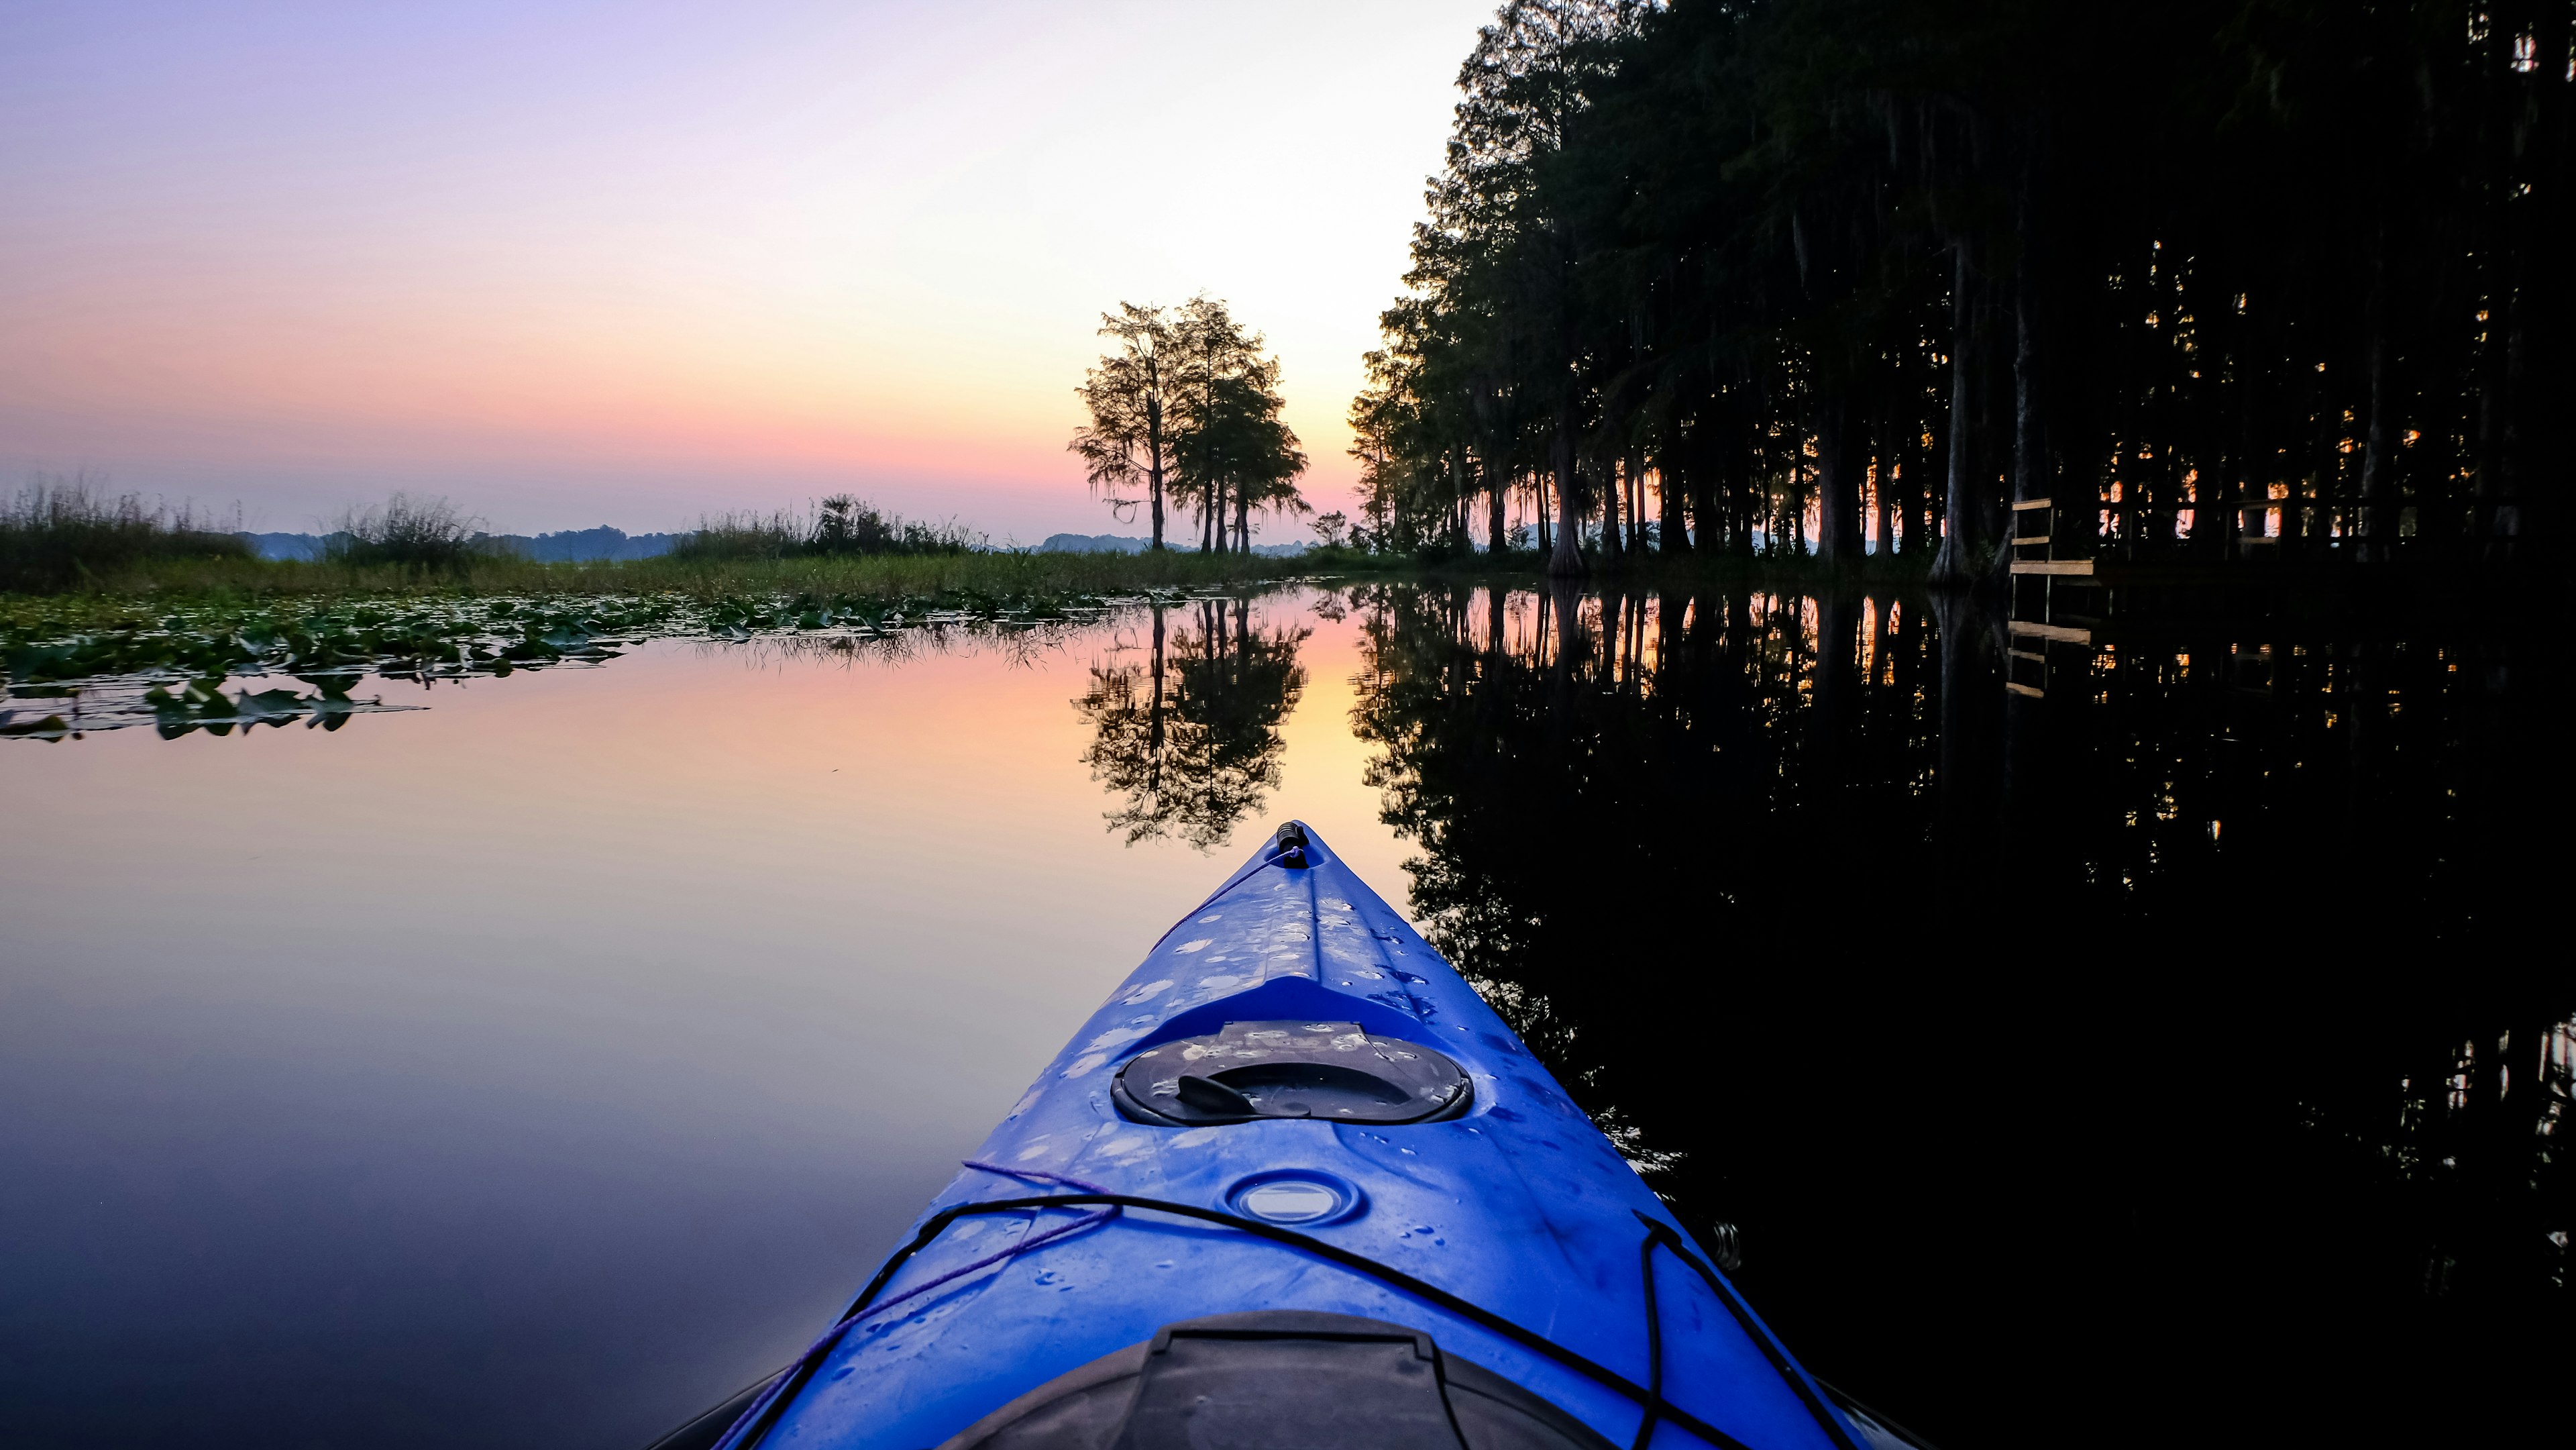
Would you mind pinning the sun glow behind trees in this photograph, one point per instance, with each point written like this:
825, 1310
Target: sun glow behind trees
573, 263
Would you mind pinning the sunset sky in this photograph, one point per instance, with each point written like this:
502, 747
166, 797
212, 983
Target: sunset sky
578, 263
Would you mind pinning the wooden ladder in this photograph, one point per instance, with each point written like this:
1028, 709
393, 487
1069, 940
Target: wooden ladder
2037, 620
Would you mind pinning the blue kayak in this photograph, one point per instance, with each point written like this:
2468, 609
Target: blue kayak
1295, 1186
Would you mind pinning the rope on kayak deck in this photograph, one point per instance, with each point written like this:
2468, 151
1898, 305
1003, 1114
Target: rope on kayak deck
1654, 1406
756, 1412
756, 1421
1093, 1219
1659, 1232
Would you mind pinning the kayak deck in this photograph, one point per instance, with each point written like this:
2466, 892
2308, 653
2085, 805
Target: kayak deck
1248, 1198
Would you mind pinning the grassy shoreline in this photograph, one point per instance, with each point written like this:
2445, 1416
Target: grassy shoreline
881, 576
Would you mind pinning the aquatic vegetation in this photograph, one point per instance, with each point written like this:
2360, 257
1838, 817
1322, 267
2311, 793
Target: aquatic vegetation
99, 664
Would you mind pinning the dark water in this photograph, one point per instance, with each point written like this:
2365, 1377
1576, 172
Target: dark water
2179, 1052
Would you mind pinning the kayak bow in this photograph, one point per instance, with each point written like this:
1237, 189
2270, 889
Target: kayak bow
1295, 1184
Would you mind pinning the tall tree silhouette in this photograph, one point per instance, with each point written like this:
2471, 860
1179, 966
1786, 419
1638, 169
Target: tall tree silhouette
2261, 280
1127, 393
1233, 453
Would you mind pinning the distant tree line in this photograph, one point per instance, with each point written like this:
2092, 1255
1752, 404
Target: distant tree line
1184, 416
2234, 278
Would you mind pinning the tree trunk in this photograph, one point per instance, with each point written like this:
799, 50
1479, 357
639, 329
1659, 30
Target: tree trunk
2029, 464
1154, 461
1837, 684
1971, 706
1794, 508
1881, 486
1566, 561
1538, 640
2378, 487
2029, 447
1837, 489
1672, 536
1611, 637
1744, 481
1636, 501
2518, 299
1458, 496
1926, 446
1613, 555
1497, 519
1154, 715
1152, 433
1962, 541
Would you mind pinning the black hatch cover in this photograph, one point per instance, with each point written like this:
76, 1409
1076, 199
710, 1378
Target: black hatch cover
1293, 1069
1279, 1380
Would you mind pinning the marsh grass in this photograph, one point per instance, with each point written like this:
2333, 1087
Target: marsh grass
992, 575
427, 534
62, 533
839, 526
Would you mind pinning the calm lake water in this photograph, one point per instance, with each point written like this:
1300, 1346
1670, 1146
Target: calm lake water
2180, 1051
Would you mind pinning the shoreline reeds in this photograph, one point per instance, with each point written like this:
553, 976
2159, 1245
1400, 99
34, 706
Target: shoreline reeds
61, 533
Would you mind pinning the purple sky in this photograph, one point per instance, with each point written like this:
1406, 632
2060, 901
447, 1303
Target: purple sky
581, 263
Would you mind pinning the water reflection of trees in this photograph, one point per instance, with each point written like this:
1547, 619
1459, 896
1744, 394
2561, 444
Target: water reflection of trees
1994, 1019
1189, 736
